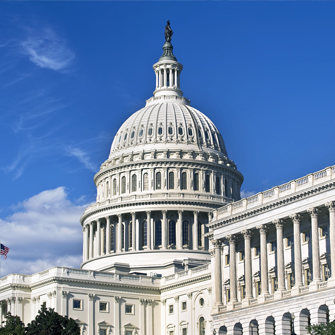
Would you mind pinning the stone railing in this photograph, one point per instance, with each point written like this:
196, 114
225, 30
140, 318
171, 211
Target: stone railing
277, 192
186, 273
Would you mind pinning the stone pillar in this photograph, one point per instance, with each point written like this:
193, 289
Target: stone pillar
148, 230
156, 72
297, 251
91, 240
126, 235
85, 243
98, 237
164, 231
179, 231
149, 317
133, 229
117, 315
137, 224
232, 267
165, 78
175, 77
315, 245
217, 273
280, 254
64, 303
247, 263
264, 260
119, 234
108, 235
90, 314
142, 317
331, 208
195, 230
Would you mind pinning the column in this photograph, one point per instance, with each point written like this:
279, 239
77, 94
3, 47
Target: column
91, 239
179, 231
85, 243
195, 230
116, 315
331, 208
217, 272
156, 78
148, 230
90, 312
141, 317
164, 230
165, 78
64, 303
247, 263
170, 77
315, 244
280, 254
133, 223
126, 235
108, 235
149, 317
175, 77
264, 259
232, 267
297, 250
98, 238
137, 247
119, 234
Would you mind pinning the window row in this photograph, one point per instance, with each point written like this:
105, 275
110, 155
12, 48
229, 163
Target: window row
77, 304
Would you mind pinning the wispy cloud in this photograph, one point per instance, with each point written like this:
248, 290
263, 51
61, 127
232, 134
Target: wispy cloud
43, 231
47, 50
246, 194
82, 156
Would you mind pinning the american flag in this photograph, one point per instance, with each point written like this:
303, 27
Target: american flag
3, 250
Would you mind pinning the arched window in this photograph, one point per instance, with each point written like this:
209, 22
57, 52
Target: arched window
225, 187
270, 326
132, 134
185, 233
130, 228
253, 327
171, 180
202, 329
158, 181
158, 232
223, 330
200, 232
160, 131
150, 131
196, 181
122, 236
184, 181
207, 183
107, 187
133, 182
180, 131
144, 233
145, 182
114, 186
123, 184
218, 185
170, 131
172, 232
112, 237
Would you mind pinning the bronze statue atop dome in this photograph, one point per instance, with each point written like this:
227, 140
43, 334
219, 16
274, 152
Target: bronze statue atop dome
168, 32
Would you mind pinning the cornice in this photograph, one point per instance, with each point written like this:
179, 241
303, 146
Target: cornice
130, 206
186, 282
273, 205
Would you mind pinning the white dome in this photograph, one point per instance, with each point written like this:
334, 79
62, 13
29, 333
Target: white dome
168, 124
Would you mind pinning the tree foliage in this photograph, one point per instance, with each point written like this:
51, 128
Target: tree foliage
47, 322
322, 329
12, 326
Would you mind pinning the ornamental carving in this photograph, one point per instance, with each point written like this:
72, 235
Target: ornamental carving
231, 238
20, 299
313, 212
64, 294
117, 299
189, 295
331, 206
142, 301
216, 243
262, 228
176, 298
149, 302
247, 234
279, 223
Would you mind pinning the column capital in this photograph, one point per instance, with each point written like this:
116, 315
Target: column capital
64, 294
313, 212
100, 219
164, 211
180, 212
142, 301
196, 212
176, 298
119, 216
296, 218
262, 229
279, 223
132, 213
148, 212
107, 217
247, 234
216, 243
117, 299
149, 302
231, 238
331, 206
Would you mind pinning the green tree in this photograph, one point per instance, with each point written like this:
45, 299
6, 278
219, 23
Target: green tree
322, 329
49, 322
12, 326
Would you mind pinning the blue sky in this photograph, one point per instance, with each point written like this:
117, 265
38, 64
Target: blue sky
72, 72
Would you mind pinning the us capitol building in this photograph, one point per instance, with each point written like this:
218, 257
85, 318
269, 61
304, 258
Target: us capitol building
169, 248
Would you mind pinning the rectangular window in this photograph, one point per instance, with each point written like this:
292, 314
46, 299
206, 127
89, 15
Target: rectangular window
289, 241
196, 182
129, 309
241, 255
274, 284
103, 332
307, 276
258, 288
256, 251
226, 259
290, 281
325, 272
129, 332
323, 231
228, 294
183, 306
103, 306
184, 331
305, 237
171, 332
242, 292
170, 309
273, 246
76, 304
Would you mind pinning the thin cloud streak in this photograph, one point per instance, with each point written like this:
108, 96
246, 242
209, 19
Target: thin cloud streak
82, 157
46, 50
